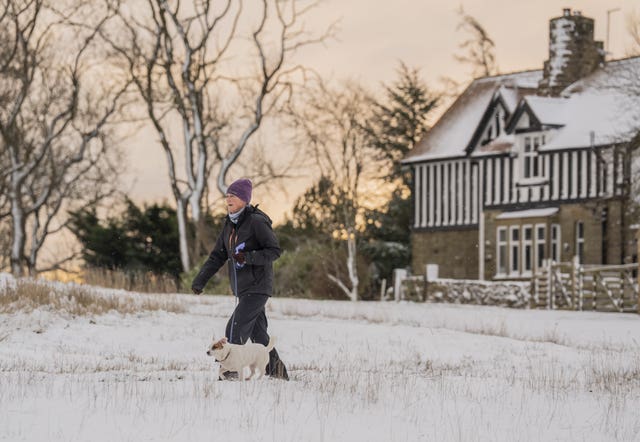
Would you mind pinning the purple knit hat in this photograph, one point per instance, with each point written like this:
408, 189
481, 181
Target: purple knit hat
242, 189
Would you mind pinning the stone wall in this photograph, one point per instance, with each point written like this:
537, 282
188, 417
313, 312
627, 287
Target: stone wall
505, 294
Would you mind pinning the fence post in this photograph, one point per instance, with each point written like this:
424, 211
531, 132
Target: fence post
383, 289
575, 262
551, 285
638, 298
399, 275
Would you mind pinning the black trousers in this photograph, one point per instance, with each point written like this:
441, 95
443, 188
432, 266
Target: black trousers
250, 322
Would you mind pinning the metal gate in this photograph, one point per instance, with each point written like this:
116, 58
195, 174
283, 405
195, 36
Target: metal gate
570, 285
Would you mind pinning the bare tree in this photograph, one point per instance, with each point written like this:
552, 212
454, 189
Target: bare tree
53, 128
181, 58
332, 123
633, 28
478, 50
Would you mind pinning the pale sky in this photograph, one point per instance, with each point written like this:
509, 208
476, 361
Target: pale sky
374, 35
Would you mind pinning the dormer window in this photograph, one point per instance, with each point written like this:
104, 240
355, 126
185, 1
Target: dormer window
532, 164
494, 126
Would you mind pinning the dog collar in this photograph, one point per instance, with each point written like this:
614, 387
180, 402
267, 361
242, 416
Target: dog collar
226, 357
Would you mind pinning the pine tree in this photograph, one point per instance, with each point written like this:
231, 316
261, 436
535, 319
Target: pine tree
400, 122
139, 239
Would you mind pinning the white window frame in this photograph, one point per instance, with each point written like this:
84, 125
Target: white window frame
499, 244
527, 243
532, 158
556, 243
538, 261
514, 251
579, 250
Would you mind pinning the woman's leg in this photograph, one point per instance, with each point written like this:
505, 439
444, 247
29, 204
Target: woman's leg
276, 367
249, 310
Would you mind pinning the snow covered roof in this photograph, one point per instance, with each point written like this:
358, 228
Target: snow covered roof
605, 104
600, 109
548, 110
498, 145
450, 136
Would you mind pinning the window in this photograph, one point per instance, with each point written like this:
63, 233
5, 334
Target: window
502, 250
540, 244
580, 241
527, 249
515, 250
533, 164
555, 242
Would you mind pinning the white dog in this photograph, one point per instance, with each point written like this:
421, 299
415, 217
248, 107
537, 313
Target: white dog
234, 357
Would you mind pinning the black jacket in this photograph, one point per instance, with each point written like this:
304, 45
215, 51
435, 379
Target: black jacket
260, 247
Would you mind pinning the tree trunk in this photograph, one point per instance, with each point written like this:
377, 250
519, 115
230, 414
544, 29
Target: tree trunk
352, 266
18, 234
352, 293
182, 231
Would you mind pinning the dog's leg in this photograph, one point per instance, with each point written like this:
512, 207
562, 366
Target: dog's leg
221, 374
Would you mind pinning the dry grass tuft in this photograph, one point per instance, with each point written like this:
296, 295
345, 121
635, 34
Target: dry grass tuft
28, 295
133, 281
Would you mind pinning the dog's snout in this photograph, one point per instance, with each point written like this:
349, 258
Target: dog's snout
208, 352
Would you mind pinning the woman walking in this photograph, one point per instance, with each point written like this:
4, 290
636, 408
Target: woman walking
248, 242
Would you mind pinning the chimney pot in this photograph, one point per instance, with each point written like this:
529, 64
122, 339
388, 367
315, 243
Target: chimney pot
566, 12
577, 13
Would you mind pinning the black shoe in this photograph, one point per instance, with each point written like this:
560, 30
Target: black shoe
228, 376
279, 371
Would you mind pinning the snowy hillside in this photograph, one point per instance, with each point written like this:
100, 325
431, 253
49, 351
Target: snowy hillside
135, 369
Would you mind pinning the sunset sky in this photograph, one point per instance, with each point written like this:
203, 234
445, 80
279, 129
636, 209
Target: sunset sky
374, 36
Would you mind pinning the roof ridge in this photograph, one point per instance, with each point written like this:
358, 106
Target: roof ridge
506, 74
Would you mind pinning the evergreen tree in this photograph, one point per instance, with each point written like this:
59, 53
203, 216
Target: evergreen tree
399, 123
401, 120
140, 239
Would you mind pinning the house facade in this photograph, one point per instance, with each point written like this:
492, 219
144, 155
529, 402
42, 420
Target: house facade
531, 165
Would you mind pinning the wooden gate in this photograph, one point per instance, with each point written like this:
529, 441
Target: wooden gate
562, 285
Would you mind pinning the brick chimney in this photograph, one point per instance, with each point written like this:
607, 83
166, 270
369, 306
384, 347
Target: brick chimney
573, 53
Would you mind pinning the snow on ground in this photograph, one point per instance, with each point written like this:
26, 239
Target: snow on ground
360, 372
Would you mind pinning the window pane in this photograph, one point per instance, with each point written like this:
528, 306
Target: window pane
527, 144
527, 167
515, 234
527, 257
540, 254
502, 259
540, 235
502, 235
527, 233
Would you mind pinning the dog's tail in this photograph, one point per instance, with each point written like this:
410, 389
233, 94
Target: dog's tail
272, 343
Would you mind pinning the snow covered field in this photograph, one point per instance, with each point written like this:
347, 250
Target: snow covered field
360, 372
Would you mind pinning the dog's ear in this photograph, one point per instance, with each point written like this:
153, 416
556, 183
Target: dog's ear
224, 340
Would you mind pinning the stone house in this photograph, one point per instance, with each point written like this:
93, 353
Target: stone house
531, 165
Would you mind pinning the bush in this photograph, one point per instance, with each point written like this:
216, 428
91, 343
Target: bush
217, 285
302, 272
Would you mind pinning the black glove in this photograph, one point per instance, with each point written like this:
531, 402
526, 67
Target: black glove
239, 258
196, 291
